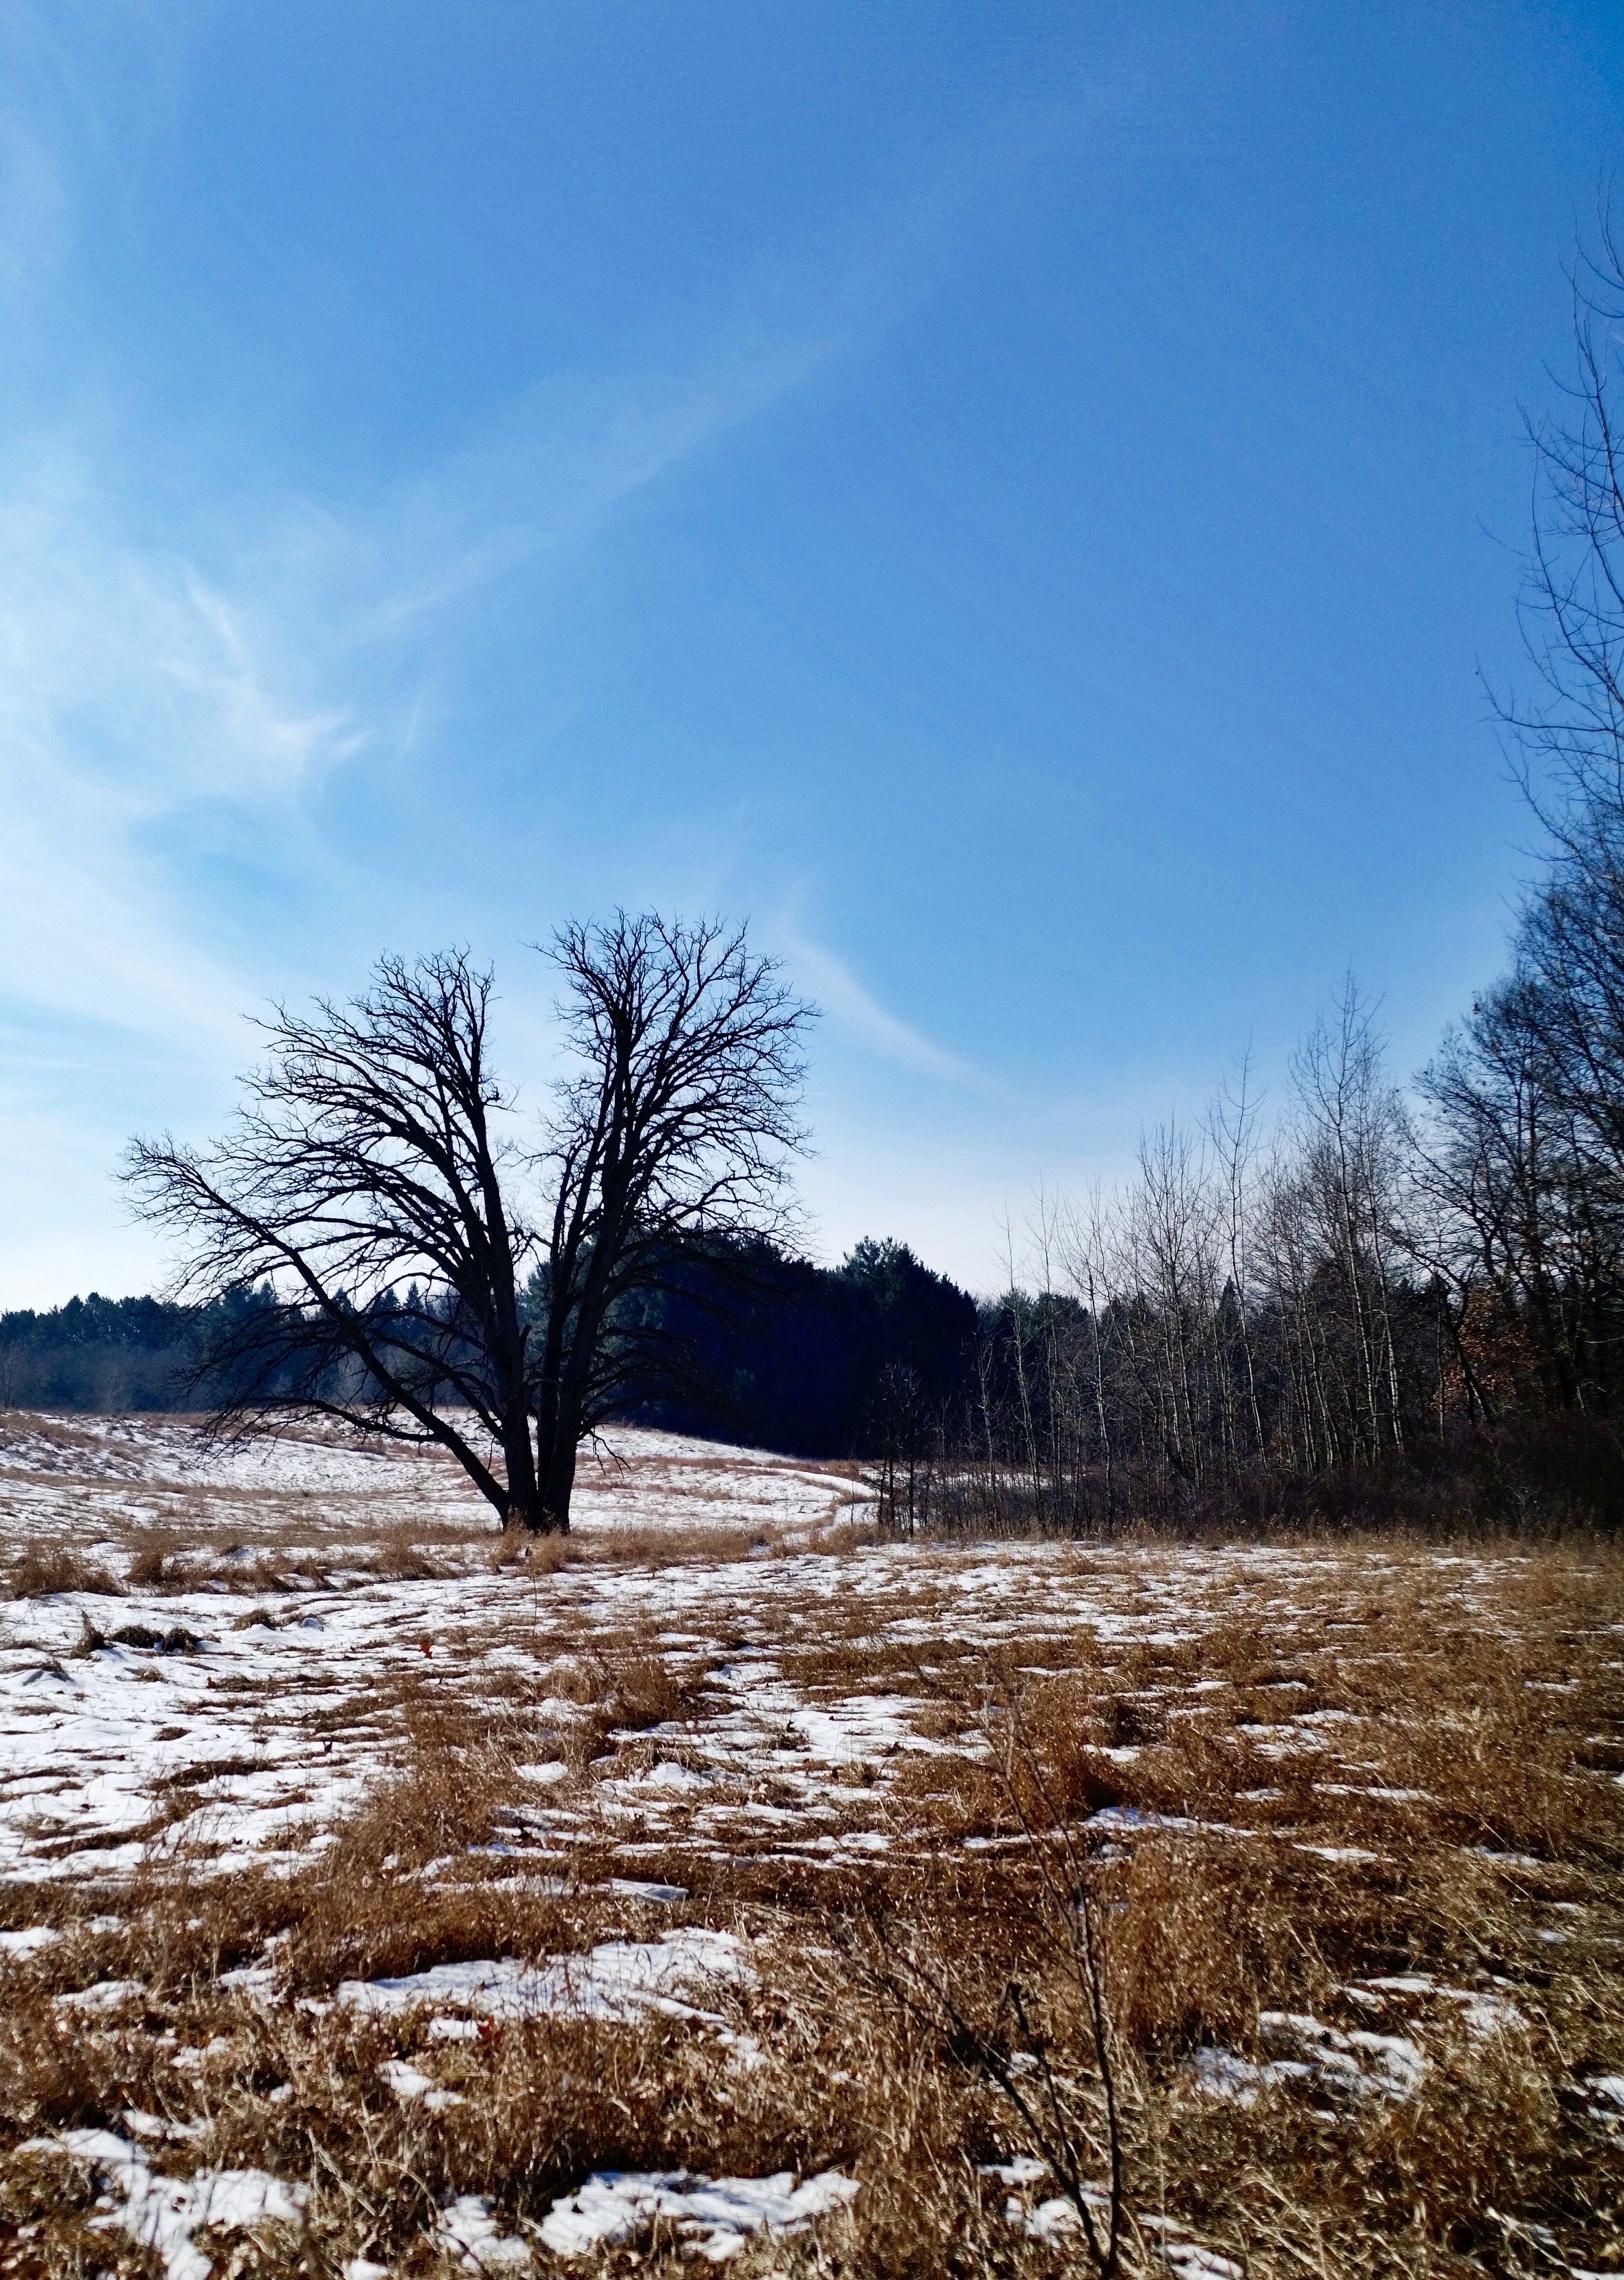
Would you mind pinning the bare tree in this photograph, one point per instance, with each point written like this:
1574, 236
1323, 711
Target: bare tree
1355, 1143
362, 1180
1571, 739
374, 1192
1084, 1242
1525, 1156
1232, 1129
672, 1143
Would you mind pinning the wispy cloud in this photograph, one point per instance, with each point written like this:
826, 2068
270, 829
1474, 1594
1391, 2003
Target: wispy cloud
130, 687
547, 477
237, 664
176, 679
136, 682
855, 1009
145, 689
34, 212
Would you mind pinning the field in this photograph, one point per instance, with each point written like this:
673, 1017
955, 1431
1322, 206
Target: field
727, 1883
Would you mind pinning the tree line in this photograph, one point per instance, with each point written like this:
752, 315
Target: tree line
115, 1355
792, 1356
1337, 1317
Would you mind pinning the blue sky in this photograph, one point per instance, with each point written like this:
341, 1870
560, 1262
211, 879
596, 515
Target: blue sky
1015, 498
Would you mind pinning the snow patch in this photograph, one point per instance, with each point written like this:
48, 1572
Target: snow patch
1191, 2262
715, 2215
1354, 2065
103, 1996
29, 1942
163, 2212
407, 2082
616, 1981
469, 2232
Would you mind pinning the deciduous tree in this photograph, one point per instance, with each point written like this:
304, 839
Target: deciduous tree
435, 1279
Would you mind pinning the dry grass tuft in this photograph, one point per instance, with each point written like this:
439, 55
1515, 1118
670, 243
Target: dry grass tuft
1205, 1934
401, 1559
663, 1545
642, 1692
155, 1563
46, 1570
536, 1555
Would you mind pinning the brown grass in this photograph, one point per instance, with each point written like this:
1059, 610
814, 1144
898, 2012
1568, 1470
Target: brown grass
402, 1557
641, 1691
662, 1545
536, 1555
45, 1570
1457, 1767
153, 1564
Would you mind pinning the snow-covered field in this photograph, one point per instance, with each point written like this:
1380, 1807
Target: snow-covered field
324, 1796
100, 1478
281, 1542
282, 1714
284, 1711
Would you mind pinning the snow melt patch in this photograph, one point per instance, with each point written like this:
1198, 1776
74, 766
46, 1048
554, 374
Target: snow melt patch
616, 1981
470, 2233
1052, 2220
1355, 2066
1024, 2169
1483, 2014
408, 2081
103, 1995
1192, 2262
163, 2212
141, 2124
716, 2215
861, 1727
669, 1775
28, 1941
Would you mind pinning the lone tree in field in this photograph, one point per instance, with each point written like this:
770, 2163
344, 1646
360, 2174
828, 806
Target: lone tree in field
420, 1273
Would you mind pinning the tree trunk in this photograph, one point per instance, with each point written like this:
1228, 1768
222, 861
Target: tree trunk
558, 1434
557, 1485
524, 1504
